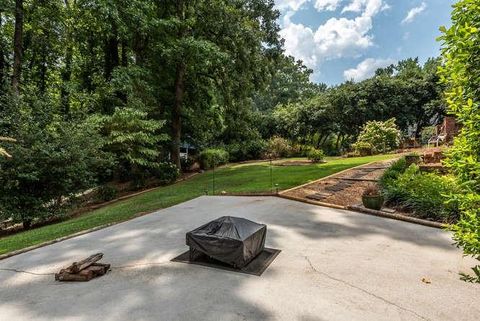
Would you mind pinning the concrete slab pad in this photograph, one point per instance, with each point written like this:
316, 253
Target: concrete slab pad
334, 265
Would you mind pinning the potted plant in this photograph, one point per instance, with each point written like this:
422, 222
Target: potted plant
372, 198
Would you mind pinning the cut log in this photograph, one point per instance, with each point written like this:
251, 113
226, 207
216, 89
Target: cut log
65, 276
98, 269
84, 270
78, 266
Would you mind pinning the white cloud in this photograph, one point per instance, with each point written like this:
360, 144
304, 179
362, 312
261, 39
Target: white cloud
414, 12
366, 69
291, 5
336, 38
369, 7
329, 5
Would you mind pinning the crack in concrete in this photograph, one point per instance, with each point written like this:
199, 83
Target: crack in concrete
364, 291
112, 267
26, 272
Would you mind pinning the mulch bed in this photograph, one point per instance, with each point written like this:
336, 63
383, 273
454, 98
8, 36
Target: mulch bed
344, 189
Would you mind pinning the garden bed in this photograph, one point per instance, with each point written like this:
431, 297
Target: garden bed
343, 189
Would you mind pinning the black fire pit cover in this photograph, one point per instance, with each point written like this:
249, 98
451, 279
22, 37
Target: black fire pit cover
232, 240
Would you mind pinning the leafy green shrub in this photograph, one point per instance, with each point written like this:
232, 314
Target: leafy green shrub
134, 139
392, 173
213, 157
278, 147
106, 193
316, 155
52, 161
381, 137
425, 194
363, 148
467, 229
247, 150
166, 172
460, 74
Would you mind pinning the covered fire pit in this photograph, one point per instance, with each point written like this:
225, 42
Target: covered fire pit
232, 240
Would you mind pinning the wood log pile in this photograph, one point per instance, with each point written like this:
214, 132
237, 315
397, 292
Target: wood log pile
84, 270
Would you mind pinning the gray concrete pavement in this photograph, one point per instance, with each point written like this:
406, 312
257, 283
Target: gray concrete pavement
334, 265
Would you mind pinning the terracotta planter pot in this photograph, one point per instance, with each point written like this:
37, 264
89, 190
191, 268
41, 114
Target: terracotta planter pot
373, 202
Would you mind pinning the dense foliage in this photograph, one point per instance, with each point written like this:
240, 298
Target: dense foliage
424, 194
378, 137
212, 157
128, 83
461, 75
52, 161
333, 118
316, 155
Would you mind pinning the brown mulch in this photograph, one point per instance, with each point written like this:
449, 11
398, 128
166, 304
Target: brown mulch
350, 195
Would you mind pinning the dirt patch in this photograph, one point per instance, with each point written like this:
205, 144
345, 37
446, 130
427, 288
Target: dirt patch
294, 163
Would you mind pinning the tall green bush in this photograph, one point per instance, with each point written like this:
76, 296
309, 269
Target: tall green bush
316, 155
278, 147
379, 136
212, 157
461, 75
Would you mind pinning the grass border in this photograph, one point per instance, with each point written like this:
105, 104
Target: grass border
64, 238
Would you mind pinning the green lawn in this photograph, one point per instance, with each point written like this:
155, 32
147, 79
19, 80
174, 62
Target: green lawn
253, 177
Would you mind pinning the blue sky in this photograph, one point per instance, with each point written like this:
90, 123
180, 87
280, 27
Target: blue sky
349, 39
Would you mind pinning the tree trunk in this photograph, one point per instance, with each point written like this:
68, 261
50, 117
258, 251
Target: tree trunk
337, 144
43, 72
17, 47
111, 53
177, 114
179, 92
124, 54
67, 71
66, 76
2, 56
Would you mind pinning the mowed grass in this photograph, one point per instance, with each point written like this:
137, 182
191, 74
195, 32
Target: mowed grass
253, 177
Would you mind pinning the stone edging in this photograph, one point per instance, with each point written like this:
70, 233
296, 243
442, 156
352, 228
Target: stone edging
307, 201
398, 217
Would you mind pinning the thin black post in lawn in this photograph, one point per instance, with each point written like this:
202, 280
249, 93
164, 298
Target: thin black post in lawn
271, 176
213, 185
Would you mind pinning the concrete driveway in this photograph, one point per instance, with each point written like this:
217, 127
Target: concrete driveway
334, 265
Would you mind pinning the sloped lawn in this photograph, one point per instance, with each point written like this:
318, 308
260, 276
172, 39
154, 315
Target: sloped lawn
252, 177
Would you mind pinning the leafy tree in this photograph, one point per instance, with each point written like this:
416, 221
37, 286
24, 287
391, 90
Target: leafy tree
461, 75
133, 138
52, 161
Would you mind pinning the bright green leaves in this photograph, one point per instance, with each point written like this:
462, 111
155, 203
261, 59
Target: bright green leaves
133, 137
461, 75
380, 136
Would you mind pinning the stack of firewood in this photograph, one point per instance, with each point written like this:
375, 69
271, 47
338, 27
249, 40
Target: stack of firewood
84, 270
